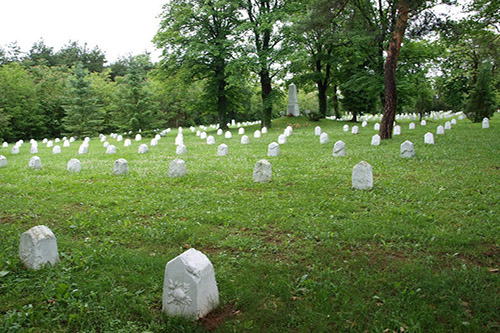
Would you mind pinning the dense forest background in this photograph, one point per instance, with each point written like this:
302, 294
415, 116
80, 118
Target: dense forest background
227, 60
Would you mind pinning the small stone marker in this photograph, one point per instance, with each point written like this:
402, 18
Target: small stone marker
282, 139
241, 131
120, 167
57, 140
362, 176
3, 161
181, 150
339, 148
56, 149
262, 172
355, 130
177, 168
37, 247
447, 125
407, 149
119, 138
84, 149
210, 140
66, 144
74, 165
245, 140
34, 150
323, 138
5, 145
293, 102
486, 123
376, 127
364, 123
222, 150
138, 137
375, 140
189, 286
103, 138
345, 128
273, 149
111, 149
203, 135
228, 135
15, 150
453, 121
423, 122
264, 130
461, 117
429, 138
179, 139
440, 130
397, 130
106, 144
257, 134
317, 131
127, 143
412, 126
50, 144
35, 163
143, 148
219, 131
154, 142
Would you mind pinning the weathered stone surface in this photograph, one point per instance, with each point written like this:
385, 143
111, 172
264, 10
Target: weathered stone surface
264, 130
485, 123
50, 144
189, 287
111, 149
203, 135
282, 139
143, 149
376, 126
273, 149
323, 138
293, 101
74, 165
429, 138
364, 123
222, 150
56, 149
339, 148
15, 150
362, 176
453, 121
228, 135
177, 168
66, 144
83, 149
119, 138
396, 130
210, 140
37, 247
120, 167
181, 150
411, 126
154, 142
106, 144
317, 131
219, 131
127, 143
346, 128
241, 131
3, 161
138, 137
355, 130
34, 150
407, 149
440, 130
447, 125
245, 140
262, 172
35, 163
5, 145
257, 134
375, 140
423, 122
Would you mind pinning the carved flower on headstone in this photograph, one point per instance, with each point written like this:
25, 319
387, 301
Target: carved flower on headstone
178, 293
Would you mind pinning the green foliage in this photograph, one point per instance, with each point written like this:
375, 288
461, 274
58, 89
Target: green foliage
483, 101
84, 114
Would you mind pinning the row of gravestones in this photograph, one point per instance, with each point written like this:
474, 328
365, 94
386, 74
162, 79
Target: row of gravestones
189, 285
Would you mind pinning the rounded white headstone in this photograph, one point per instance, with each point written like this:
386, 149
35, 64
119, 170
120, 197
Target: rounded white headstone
323, 138
56, 149
429, 138
74, 165
210, 140
37, 247
317, 131
138, 137
177, 168
143, 148
3, 161
222, 150
181, 150
257, 134
228, 135
362, 176
282, 139
262, 172
273, 149
111, 149
407, 149
245, 140
120, 167
375, 140
339, 148
35, 163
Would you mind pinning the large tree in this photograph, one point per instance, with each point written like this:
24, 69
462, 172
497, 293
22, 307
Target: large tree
200, 37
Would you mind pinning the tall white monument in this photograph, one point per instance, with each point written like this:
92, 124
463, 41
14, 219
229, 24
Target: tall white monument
293, 102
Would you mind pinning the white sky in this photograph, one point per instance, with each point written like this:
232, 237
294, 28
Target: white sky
117, 27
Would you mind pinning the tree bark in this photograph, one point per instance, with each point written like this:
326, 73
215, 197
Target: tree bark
322, 98
267, 103
390, 70
221, 94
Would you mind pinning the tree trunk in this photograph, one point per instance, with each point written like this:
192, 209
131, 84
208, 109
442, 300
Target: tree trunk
267, 103
221, 94
390, 71
322, 99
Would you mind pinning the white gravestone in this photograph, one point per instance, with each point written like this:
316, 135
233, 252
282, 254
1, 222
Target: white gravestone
407, 149
453, 121
429, 138
74, 165
228, 135
66, 144
56, 149
447, 125
203, 135
257, 134
103, 138
423, 122
177, 168
323, 138
461, 117
210, 140
375, 140
138, 137
411, 126
355, 130
397, 130
154, 142
273, 149
50, 144
37, 247
345, 128
15, 150
120, 167
440, 130
34, 150
264, 130
364, 123
317, 131
106, 144
339, 148
241, 131
219, 131
119, 138
35, 163
143, 148
376, 126
127, 143
5, 145
189, 286
293, 101
282, 139
57, 140
262, 172
198, 133
179, 139
181, 150
222, 150
485, 123
245, 140
3, 161
362, 176
84, 149
111, 149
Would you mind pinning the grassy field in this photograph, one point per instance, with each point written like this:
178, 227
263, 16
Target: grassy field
303, 253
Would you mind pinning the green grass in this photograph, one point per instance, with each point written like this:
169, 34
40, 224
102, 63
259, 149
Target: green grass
302, 253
